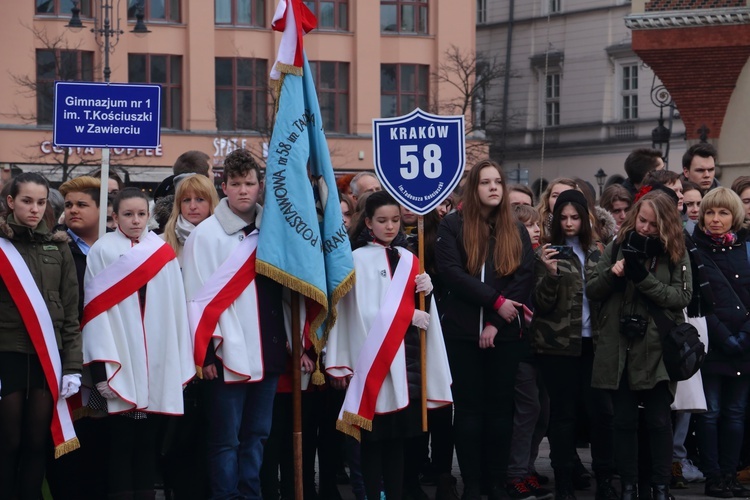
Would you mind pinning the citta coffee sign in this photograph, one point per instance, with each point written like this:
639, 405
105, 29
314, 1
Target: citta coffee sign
47, 148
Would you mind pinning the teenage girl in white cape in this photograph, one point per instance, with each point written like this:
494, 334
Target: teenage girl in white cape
373, 350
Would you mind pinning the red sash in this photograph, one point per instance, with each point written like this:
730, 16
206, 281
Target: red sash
219, 292
383, 341
36, 318
125, 276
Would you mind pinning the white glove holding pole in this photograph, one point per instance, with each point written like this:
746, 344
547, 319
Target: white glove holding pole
420, 319
70, 385
424, 283
105, 391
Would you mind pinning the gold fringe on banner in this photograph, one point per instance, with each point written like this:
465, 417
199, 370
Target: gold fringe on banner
351, 423
67, 447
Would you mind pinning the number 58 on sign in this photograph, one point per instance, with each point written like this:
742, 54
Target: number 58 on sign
419, 157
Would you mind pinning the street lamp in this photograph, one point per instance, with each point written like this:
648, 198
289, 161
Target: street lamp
600, 178
103, 29
661, 135
104, 32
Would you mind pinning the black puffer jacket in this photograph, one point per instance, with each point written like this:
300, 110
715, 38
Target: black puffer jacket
467, 302
728, 272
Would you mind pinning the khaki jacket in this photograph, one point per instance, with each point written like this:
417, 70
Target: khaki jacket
51, 264
669, 287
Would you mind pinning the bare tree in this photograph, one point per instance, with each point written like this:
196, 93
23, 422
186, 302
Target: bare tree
475, 78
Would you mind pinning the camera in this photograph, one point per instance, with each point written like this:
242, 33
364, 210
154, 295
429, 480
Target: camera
563, 251
633, 326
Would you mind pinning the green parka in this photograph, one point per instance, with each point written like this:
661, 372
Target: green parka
669, 287
51, 264
558, 305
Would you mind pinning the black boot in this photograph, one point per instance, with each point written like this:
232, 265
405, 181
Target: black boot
446, 488
564, 489
472, 491
733, 485
629, 491
604, 488
660, 492
717, 488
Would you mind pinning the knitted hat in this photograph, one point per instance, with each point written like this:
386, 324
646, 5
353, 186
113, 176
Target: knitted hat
570, 196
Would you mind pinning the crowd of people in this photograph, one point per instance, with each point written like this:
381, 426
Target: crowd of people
541, 319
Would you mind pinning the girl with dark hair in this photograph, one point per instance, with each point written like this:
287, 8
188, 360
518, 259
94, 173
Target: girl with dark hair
139, 362
644, 271
486, 262
40, 343
563, 339
373, 350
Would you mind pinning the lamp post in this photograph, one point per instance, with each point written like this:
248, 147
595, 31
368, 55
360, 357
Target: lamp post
661, 135
104, 32
601, 176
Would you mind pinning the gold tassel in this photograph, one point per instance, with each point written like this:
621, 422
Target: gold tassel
317, 377
199, 371
67, 447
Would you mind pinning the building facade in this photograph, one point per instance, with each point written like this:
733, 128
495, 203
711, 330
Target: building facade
700, 51
212, 59
575, 97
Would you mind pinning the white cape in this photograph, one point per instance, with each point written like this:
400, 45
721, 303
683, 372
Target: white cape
237, 334
148, 362
356, 312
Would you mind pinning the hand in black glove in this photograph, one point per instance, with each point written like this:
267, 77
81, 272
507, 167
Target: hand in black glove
634, 269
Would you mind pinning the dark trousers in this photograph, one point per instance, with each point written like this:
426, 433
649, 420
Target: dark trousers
82, 473
657, 414
132, 455
435, 446
568, 381
483, 381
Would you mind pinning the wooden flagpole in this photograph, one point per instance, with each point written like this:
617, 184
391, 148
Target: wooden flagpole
422, 333
296, 397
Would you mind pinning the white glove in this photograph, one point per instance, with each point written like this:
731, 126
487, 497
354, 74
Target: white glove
424, 283
105, 391
420, 319
70, 385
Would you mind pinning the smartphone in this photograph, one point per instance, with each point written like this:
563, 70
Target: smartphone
564, 251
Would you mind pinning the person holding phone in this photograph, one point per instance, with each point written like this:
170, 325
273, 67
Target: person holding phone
563, 340
485, 262
645, 269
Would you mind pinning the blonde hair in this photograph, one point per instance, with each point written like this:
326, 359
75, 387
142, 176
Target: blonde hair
84, 184
199, 185
722, 197
668, 223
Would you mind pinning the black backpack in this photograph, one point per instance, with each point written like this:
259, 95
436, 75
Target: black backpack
683, 352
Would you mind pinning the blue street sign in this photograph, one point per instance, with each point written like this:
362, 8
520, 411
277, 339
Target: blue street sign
419, 157
107, 115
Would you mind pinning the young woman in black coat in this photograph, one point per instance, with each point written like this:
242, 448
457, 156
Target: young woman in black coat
486, 265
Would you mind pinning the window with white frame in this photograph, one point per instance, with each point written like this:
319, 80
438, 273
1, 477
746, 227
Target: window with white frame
552, 99
481, 11
629, 92
554, 6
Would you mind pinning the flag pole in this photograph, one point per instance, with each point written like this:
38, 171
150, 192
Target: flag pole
422, 333
296, 397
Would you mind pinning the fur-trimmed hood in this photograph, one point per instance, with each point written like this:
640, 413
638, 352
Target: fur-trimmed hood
10, 229
607, 224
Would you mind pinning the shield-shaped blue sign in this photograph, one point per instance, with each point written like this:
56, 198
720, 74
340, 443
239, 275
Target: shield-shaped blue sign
419, 157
